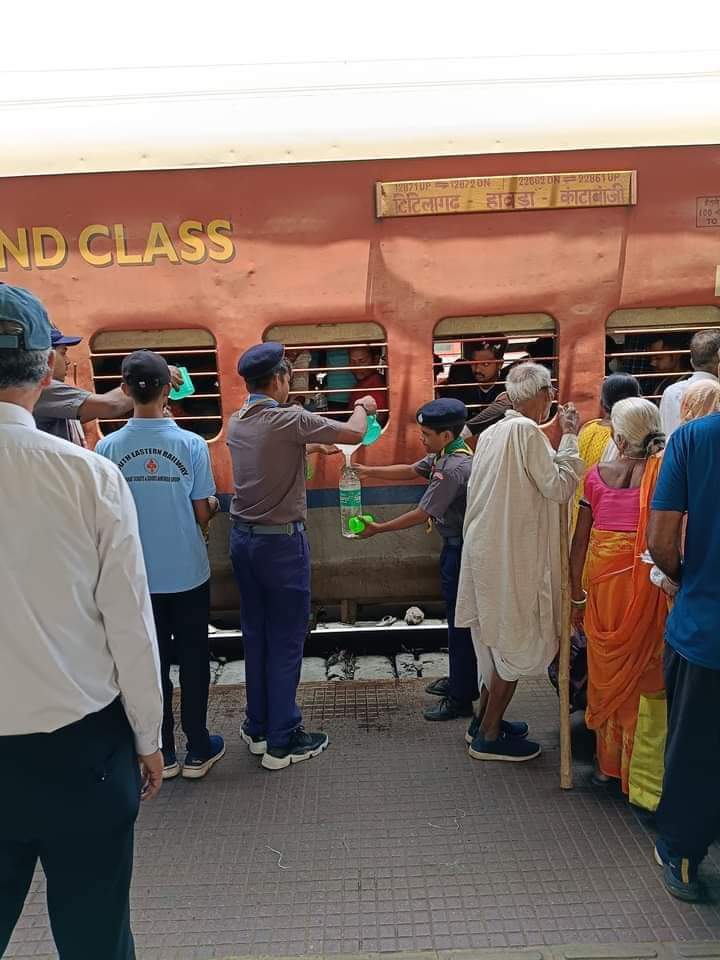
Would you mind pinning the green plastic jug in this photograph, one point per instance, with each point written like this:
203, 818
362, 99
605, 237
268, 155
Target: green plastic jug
373, 430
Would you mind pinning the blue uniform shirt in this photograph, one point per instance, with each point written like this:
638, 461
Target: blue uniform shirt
689, 481
166, 468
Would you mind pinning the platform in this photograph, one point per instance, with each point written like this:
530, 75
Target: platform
395, 841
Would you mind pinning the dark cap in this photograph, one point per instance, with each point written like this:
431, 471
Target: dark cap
60, 340
441, 414
23, 319
260, 361
145, 369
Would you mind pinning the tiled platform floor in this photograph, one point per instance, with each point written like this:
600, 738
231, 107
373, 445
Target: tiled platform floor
394, 840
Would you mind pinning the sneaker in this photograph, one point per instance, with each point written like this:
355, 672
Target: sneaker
256, 745
511, 729
171, 768
513, 749
680, 875
302, 746
449, 709
196, 766
439, 687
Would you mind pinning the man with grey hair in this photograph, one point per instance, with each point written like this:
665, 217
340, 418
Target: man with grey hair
509, 594
80, 696
704, 349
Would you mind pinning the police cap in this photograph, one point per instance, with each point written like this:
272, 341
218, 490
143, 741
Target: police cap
24, 323
442, 414
145, 369
59, 339
260, 361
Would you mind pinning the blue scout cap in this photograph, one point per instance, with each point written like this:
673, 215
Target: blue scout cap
441, 414
260, 361
60, 340
24, 320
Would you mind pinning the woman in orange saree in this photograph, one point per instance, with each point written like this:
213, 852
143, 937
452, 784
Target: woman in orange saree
623, 612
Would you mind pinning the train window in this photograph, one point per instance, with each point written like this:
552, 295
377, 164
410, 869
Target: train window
653, 344
191, 348
334, 364
472, 355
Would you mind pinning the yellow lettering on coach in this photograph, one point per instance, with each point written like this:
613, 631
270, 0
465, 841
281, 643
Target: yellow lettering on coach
45, 260
217, 237
17, 249
87, 235
159, 244
124, 258
187, 233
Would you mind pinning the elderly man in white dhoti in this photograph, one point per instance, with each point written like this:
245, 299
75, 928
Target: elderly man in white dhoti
509, 592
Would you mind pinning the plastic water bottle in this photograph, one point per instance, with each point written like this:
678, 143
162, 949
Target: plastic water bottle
350, 498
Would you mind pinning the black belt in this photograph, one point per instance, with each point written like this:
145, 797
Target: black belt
269, 529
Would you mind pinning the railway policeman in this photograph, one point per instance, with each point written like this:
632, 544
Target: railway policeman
447, 467
80, 695
268, 440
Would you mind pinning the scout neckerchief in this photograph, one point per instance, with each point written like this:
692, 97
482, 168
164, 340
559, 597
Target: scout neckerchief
455, 446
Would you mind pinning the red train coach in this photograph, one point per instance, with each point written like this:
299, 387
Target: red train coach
409, 239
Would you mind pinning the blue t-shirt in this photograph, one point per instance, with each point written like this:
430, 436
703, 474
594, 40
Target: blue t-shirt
689, 482
166, 468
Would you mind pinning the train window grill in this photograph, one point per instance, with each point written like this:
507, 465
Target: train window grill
191, 348
473, 355
336, 364
654, 344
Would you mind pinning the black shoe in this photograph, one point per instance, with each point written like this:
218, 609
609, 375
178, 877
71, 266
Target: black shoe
302, 746
449, 709
511, 728
256, 745
439, 687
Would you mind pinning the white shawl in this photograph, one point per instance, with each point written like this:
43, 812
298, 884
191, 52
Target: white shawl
509, 587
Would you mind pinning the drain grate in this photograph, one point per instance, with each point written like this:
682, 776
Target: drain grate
365, 703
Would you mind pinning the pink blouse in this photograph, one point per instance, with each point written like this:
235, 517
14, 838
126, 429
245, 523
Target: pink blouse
611, 509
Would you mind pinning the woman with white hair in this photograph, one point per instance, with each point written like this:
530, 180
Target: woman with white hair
623, 613
509, 591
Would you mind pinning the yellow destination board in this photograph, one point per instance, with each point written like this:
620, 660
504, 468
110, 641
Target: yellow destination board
531, 191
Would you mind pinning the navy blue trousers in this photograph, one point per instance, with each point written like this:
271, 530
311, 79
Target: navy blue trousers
688, 818
181, 622
463, 665
70, 799
273, 575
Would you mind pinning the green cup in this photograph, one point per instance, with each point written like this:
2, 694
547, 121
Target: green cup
186, 388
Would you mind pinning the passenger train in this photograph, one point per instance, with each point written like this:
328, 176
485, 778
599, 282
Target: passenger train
262, 212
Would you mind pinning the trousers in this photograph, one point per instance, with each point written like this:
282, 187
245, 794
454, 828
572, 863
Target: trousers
70, 801
273, 576
463, 682
181, 622
688, 818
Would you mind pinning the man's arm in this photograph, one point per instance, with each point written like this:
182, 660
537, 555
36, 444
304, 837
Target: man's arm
488, 415
313, 428
398, 471
406, 520
205, 509
664, 536
122, 597
113, 405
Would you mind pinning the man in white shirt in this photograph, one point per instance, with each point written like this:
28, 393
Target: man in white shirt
704, 348
80, 695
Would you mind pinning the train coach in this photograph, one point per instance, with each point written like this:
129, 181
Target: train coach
378, 229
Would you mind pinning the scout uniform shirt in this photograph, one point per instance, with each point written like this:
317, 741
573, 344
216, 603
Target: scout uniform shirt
57, 411
445, 497
267, 445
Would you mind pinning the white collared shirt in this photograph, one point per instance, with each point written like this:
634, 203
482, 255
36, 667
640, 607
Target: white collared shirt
76, 624
672, 398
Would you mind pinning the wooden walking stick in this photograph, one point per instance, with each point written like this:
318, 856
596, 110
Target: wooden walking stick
566, 775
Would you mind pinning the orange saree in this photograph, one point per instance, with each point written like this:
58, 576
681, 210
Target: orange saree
625, 625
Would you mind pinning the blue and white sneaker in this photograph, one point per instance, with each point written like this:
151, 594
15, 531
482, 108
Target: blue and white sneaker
509, 727
302, 746
512, 749
256, 745
195, 767
680, 875
171, 767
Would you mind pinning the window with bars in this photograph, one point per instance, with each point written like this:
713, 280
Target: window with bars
653, 344
194, 349
335, 364
473, 355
